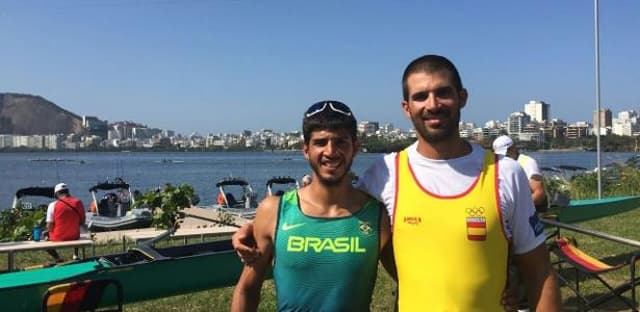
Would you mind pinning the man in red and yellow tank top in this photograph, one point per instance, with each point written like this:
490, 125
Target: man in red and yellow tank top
64, 218
459, 213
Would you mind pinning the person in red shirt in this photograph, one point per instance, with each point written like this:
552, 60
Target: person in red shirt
64, 218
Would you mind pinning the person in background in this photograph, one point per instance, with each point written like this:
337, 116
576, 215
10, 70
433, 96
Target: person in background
220, 200
249, 198
306, 180
323, 240
503, 145
64, 218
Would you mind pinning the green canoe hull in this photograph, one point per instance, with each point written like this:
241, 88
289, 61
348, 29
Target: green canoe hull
181, 269
583, 210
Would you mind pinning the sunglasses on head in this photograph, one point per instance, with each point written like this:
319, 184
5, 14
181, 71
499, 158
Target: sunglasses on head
332, 105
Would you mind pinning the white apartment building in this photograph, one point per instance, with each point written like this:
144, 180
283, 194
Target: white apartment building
537, 110
387, 128
52, 141
28, 141
368, 127
6, 141
465, 133
626, 124
517, 122
622, 127
466, 125
493, 124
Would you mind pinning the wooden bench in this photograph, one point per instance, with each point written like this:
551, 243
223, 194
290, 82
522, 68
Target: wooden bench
11, 248
214, 231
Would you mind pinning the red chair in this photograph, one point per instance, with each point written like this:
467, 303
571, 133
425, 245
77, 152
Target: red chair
567, 252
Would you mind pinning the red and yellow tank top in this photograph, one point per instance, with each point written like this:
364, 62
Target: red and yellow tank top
451, 252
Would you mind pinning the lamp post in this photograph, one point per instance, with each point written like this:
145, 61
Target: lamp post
597, 51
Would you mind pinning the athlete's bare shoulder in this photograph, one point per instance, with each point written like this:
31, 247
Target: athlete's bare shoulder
268, 206
361, 197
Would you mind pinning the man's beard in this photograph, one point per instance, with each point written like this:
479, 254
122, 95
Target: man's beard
333, 181
440, 134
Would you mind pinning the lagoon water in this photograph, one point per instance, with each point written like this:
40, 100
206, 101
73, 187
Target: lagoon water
148, 170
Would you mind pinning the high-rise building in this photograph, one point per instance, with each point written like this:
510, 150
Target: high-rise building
537, 110
626, 124
554, 128
577, 130
517, 121
387, 128
95, 126
368, 127
605, 118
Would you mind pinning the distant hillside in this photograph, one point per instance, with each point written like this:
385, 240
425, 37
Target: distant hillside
26, 114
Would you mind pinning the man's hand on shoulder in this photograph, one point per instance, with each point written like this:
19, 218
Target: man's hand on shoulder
244, 244
244, 241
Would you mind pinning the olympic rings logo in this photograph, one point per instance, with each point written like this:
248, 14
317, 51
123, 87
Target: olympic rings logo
475, 211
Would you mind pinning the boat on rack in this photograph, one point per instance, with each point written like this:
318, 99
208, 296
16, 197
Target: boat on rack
285, 183
571, 211
236, 197
589, 209
145, 272
114, 209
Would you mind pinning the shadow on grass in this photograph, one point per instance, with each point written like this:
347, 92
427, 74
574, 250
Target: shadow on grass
573, 303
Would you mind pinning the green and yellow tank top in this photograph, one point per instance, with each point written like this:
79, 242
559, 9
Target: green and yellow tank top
451, 252
325, 264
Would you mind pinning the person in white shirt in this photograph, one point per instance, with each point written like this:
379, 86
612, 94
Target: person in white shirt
503, 145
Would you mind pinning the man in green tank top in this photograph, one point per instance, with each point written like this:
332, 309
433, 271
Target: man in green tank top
323, 240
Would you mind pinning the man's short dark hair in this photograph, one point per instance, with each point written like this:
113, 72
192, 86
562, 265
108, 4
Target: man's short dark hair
328, 115
430, 64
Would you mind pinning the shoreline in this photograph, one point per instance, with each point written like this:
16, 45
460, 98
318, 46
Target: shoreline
569, 149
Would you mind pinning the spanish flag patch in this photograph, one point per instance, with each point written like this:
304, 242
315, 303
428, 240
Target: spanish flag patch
476, 228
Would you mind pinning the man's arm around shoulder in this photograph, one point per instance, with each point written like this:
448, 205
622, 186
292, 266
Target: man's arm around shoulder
246, 295
540, 278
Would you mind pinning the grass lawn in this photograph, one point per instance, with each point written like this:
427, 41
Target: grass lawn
624, 225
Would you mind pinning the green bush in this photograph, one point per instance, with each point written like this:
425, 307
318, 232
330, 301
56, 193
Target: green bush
17, 224
617, 180
166, 203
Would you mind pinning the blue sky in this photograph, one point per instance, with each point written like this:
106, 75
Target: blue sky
224, 66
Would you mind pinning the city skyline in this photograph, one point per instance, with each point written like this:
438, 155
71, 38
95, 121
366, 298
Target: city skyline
533, 124
481, 124
226, 66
